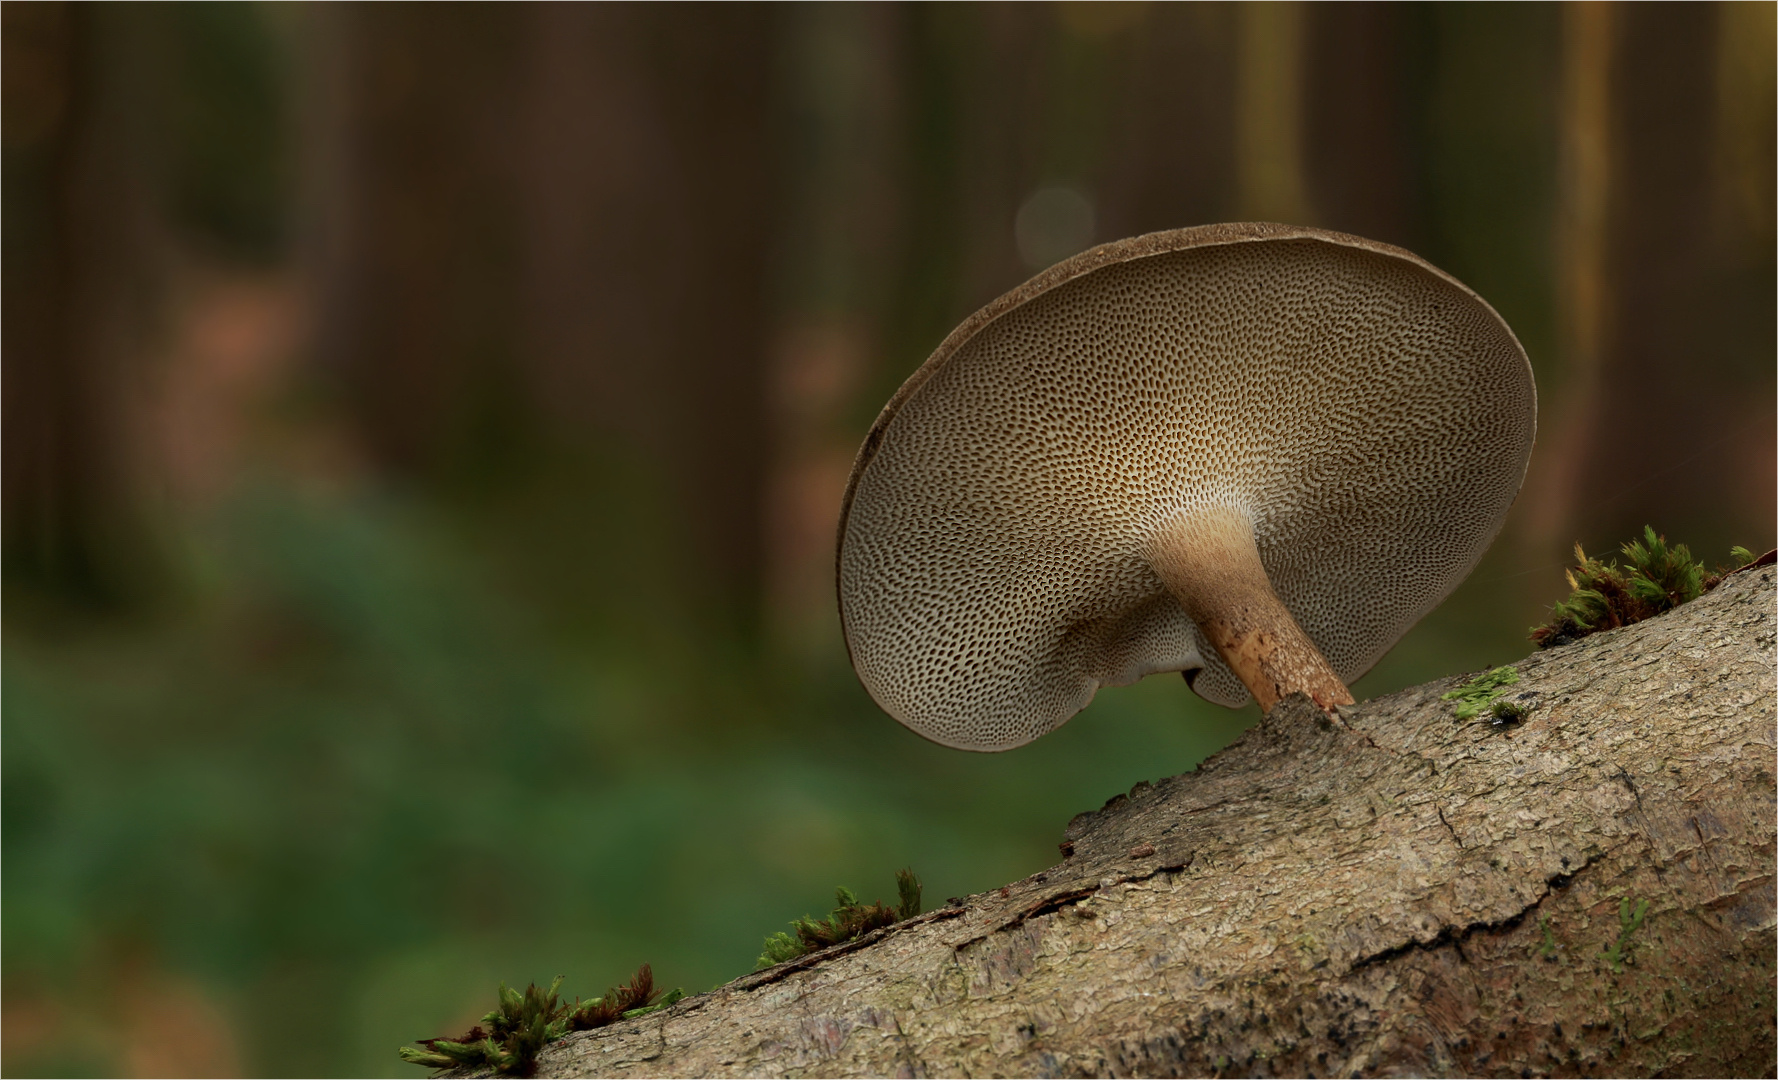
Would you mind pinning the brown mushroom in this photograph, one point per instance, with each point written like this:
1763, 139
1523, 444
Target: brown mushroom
1256, 454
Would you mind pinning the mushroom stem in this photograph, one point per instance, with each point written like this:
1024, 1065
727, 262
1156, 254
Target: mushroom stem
1209, 561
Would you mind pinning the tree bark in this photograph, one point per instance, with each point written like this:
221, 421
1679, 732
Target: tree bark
1398, 892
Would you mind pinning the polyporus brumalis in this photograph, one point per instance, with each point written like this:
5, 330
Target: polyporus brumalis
1256, 454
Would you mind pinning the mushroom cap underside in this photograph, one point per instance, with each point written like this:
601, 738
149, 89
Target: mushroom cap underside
1369, 415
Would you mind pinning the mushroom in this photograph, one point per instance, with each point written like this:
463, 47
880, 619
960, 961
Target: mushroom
1256, 454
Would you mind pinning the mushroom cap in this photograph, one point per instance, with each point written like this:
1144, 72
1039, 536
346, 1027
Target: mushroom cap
1367, 413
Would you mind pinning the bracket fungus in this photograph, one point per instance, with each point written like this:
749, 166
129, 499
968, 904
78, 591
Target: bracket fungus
1256, 454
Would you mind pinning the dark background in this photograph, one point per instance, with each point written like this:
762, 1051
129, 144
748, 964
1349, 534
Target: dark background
424, 429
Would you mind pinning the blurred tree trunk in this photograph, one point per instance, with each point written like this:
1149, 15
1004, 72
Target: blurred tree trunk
843, 103
648, 211
1171, 161
1580, 235
550, 226
1666, 275
1269, 107
82, 293
410, 248
1588, 892
1129, 105
1677, 294
1006, 82
1358, 119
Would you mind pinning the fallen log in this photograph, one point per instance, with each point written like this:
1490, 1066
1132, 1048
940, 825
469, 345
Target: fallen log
1587, 890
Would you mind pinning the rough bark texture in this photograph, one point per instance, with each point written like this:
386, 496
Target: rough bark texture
1402, 893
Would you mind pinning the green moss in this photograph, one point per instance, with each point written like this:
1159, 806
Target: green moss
509, 1039
848, 920
908, 891
778, 948
1508, 712
1479, 693
1630, 919
1605, 595
1547, 947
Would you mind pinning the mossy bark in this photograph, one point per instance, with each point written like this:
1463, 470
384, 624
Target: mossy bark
1589, 891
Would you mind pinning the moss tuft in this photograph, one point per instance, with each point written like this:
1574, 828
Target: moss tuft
509, 1039
1479, 693
1605, 595
909, 890
849, 919
1506, 712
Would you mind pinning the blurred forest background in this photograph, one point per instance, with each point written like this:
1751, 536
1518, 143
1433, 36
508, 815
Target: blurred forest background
424, 429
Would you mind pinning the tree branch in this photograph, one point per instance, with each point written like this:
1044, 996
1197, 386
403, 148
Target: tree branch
1588, 891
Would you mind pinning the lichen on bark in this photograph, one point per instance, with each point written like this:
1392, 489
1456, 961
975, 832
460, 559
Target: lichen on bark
1395, 890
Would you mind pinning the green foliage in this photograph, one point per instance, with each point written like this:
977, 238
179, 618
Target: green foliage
359, 777
1478, 693
1630, 920
1606, 595
849, 919
509, 1039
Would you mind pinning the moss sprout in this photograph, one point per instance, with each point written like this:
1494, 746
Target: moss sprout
509, 1039
849, 919
1604, 595
1630, 919
1547, 947
1479, 693
1506, 713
